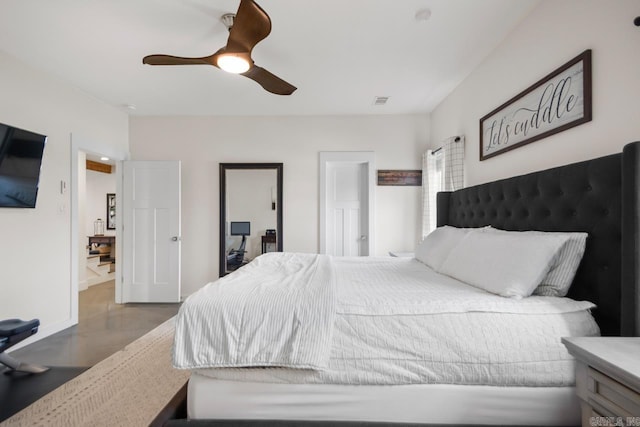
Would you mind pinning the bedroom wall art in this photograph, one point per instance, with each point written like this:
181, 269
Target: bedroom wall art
559, 101
111, 211
399, 177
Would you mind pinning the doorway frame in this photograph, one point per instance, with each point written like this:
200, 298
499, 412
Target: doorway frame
89, 145
367, 158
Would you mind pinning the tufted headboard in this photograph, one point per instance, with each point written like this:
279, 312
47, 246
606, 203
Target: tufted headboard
598, 196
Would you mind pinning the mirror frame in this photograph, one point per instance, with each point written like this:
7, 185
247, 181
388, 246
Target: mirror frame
223, 204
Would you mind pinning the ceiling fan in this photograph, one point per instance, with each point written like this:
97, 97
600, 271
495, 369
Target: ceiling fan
250, 25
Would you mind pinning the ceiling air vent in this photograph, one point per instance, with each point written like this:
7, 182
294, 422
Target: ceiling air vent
380, 100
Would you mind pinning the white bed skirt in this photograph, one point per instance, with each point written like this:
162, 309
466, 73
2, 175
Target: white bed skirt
210, 398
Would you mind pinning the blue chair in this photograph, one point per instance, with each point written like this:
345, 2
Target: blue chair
12, 331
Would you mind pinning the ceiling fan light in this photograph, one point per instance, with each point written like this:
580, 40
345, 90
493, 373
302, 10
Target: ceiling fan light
233, 63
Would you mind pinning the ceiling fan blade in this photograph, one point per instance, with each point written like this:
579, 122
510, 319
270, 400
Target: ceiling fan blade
177, 60
250, 26
269, 82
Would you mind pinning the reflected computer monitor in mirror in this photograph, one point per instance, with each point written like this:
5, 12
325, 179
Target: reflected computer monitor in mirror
240, 228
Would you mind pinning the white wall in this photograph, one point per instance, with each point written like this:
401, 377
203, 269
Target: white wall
555, 32
35, 246
98, 185
204, 142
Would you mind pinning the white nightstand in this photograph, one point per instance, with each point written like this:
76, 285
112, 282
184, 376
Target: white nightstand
607, 379
399, 254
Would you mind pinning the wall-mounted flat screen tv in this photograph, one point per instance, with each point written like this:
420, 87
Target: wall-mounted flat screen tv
20, 160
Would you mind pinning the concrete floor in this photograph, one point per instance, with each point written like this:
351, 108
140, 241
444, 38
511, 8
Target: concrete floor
103, 328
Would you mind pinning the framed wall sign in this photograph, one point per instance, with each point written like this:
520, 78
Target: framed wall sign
556, 103
111, 211
400, 177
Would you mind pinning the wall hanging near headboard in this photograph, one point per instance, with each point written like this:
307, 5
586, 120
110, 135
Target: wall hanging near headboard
399, 177
559, 101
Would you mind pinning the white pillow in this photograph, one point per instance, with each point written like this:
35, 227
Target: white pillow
560, 276
434, 249
506, 264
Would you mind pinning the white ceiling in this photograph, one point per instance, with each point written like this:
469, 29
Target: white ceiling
339, 53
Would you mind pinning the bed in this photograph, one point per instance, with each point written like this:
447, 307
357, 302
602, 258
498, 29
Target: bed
599, 197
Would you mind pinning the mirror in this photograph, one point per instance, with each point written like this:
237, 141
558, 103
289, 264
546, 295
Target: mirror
250, 212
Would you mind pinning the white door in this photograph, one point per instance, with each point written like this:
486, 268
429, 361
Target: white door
346, 225
151, 231
346, 208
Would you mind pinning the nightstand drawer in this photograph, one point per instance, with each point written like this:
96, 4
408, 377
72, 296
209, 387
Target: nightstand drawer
609, 397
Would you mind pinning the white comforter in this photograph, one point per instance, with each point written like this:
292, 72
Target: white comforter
399, 322
276, 311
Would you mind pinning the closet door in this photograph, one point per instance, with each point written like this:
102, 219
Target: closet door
346, 203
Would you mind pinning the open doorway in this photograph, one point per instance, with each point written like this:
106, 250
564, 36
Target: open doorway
96, 220
90, 202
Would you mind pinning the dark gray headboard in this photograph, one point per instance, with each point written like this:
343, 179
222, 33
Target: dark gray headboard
599, 196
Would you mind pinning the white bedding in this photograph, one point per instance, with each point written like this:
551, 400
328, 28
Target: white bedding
399, 322
208, 398
276, 311
401, 286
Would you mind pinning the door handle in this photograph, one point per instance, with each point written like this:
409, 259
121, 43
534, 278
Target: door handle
363, 237
176, 238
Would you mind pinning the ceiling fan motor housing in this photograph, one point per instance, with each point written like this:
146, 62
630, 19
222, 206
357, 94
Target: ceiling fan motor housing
227, 19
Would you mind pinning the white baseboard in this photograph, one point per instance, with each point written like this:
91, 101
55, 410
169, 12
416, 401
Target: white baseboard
44, 332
